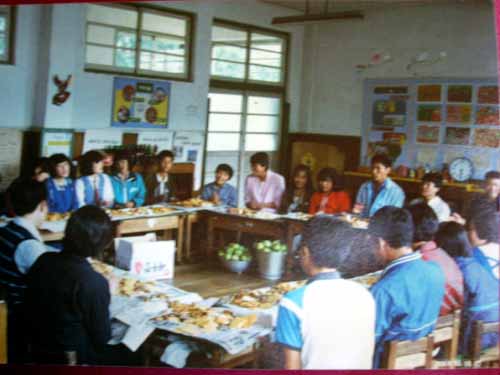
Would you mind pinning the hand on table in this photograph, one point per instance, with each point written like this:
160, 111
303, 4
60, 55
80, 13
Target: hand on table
130, 204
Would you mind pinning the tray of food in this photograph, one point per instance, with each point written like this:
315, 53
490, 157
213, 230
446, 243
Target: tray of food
355, 221
299, 216
262, 215
369, 279
137, 212
193, 203
56, 216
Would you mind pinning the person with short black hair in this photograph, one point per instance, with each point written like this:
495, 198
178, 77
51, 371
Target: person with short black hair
61, 195
298, 196
94, 186
330, 198
41, 169
128, 186
381, 191
220, 192
483, 233
426, 225
431, 185
410, 292
480, 288
160, 186
492, 187
20, 246
263, 188
70, 298
328, 323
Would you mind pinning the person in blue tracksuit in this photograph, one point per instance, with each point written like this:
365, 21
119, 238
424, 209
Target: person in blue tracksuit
128, 186
480, 285
61, 197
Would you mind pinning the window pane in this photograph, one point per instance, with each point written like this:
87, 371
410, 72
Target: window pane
99, 55
112, 15
224, 123
164, 24
125, 58
225, 103
125, 40
261, 142
3, 45
227, 35
262, 73
229, 53
101, 34
163, 44
3, 22
262, 124
263, 105
265, 58
267, 42
162, 63
230, 70
223, 142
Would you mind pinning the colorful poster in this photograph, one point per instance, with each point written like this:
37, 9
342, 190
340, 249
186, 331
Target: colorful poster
426, 156
459, 114
457, 136
487, 137
429, 113
428, 134
488, 95
389, 113
460, 93
487, 115
396, 138
429, 93
139, 103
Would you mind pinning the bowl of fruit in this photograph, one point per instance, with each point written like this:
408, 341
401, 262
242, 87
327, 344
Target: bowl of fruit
235, 257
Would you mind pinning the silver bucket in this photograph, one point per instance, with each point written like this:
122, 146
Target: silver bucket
271, 265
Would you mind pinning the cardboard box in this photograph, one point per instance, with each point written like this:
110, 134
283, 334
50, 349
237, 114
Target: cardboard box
146, 257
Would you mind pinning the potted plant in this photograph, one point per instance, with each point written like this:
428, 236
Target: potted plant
235, 258
271, 257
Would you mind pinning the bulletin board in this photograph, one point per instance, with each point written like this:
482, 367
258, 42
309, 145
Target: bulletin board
428, 122
11, 141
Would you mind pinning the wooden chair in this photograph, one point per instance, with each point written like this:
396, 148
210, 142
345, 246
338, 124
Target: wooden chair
489, 357
446, 335
408, 355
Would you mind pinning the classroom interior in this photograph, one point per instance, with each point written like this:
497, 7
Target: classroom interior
320, 83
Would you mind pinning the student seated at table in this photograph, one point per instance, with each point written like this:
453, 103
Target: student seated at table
328, 199
61, 196
263, 188
328, 323
298, 195
41, 169
128, 186
21, 245
431, 185
482, 228
381, 191
94, 187
410, 292
160, 186
220, 192
480, 287
426, 225
71, 300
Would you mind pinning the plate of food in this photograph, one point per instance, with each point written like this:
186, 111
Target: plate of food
299, 216
56, 216
369, 279
355, 221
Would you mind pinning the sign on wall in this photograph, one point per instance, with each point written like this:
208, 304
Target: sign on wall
101, 139
139, 103
162, 140
188, 148
57, 142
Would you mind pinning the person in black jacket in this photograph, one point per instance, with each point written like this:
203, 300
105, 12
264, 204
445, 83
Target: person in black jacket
66, 300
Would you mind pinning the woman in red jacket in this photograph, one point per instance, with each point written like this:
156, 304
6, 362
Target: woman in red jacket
329, 199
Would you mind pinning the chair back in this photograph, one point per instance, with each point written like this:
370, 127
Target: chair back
407, 355
480, 328
446, 335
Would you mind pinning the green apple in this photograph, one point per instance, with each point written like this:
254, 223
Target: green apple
283, 248
267, 243
260, 246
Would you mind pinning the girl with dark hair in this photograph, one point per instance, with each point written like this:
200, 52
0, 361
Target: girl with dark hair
480, 286
60, 186
296, 199
41, 169
71, 300
94, 187
329, 199
128, 186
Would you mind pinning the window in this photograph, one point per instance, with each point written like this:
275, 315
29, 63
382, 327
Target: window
139, 41
7, 34
248, 54
240, 124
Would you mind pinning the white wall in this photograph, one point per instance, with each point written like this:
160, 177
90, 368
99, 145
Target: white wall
333, 91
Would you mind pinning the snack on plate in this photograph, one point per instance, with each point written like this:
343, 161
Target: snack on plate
368, 280
355, 221
128, 287
194, 202
263, 298
55, 216
302, 216
100, 267
159, 210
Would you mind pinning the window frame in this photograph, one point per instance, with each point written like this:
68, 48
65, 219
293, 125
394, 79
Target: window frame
246, 83
137, 71
11, 36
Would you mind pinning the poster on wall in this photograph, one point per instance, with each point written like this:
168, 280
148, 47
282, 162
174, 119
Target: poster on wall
429, 93
460, 93
427, 156
487, 115
188, 148
139, 103
100, 139
487, 137
457, 136
488, 95
429, 113
460, 114
11, 141
389, 113
161, 140
428, 134
57, 142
